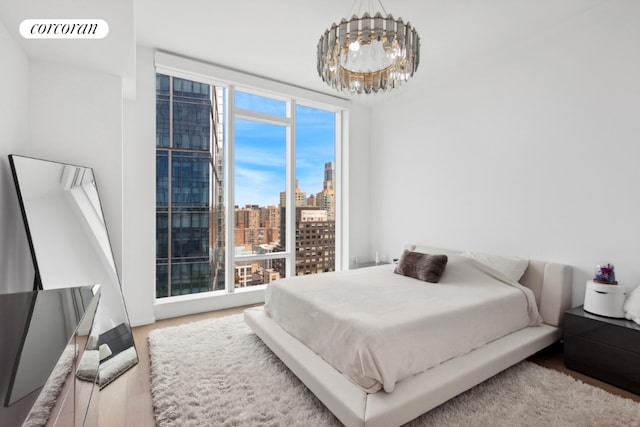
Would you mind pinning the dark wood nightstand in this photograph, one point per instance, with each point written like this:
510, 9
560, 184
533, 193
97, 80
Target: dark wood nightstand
603, 348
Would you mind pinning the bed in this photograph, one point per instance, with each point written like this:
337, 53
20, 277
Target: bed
372, 383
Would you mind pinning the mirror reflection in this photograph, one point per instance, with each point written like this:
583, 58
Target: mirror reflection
43, 334
70, 247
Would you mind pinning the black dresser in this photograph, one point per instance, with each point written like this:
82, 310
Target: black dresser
603, 348
43, 336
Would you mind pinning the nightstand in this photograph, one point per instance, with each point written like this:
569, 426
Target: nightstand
604, 348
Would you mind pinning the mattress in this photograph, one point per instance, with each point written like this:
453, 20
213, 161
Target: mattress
377, 327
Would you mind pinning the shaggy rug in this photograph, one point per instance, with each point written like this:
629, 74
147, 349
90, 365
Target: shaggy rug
216, 372
41, 409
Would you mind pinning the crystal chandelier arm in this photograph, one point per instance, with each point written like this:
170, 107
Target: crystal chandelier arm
408, 40
377, 26
353, 29
391, 29
366, 28
400, 31
343, 32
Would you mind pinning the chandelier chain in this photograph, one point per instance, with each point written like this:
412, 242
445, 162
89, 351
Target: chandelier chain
371, 9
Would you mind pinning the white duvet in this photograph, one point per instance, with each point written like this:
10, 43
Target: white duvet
377, 327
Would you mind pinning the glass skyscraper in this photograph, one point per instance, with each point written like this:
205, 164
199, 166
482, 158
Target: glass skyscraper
189, 211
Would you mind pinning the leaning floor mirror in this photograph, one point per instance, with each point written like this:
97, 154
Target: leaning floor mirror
70, 246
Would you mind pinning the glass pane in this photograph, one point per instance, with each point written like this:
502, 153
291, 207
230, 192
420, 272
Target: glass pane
189, 277
190, 179
260, 169
262, 272
260, 104
162, 110
162, 236
189, 238
315, 195
191, 115
190, 231
162, 178
162, 283
189, 182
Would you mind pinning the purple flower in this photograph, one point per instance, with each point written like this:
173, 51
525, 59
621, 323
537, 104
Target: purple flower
605, 273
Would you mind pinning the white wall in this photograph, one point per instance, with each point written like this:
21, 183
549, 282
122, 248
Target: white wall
139, 247
532, 150
16, 270
359, 191
75, 116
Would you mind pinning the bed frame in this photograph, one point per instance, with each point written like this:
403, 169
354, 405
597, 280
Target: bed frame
551, 285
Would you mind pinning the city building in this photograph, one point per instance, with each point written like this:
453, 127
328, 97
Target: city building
301, 197
189, 187
315, 246
256, 225
325, 199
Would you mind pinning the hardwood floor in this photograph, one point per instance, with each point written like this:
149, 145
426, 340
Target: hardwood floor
127, 401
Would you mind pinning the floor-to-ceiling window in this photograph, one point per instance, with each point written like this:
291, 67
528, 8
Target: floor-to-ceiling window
245, 186
315, 242
262, 133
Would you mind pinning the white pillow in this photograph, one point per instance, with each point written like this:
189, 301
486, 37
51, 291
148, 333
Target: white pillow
632, 305
510, 266
431, 250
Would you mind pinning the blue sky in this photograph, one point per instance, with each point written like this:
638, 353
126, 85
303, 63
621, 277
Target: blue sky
260, 152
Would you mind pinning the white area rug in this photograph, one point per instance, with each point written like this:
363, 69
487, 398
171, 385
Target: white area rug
216, 372
41, 409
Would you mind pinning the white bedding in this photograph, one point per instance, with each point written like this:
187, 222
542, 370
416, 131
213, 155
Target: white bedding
377, 327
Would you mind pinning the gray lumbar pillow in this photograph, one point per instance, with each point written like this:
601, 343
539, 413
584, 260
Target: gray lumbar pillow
428, 268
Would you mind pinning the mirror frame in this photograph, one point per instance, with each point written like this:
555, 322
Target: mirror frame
112, 365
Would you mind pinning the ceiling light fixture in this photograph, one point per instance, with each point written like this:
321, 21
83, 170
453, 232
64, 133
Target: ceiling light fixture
368, 54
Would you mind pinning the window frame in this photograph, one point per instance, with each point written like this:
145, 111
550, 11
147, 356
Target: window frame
231, 80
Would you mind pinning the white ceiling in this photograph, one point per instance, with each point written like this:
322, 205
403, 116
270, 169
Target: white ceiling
277, 38
114, 54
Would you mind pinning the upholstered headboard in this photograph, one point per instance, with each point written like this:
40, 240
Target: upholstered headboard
551, 284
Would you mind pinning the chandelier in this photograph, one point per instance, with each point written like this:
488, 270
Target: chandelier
368, 54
